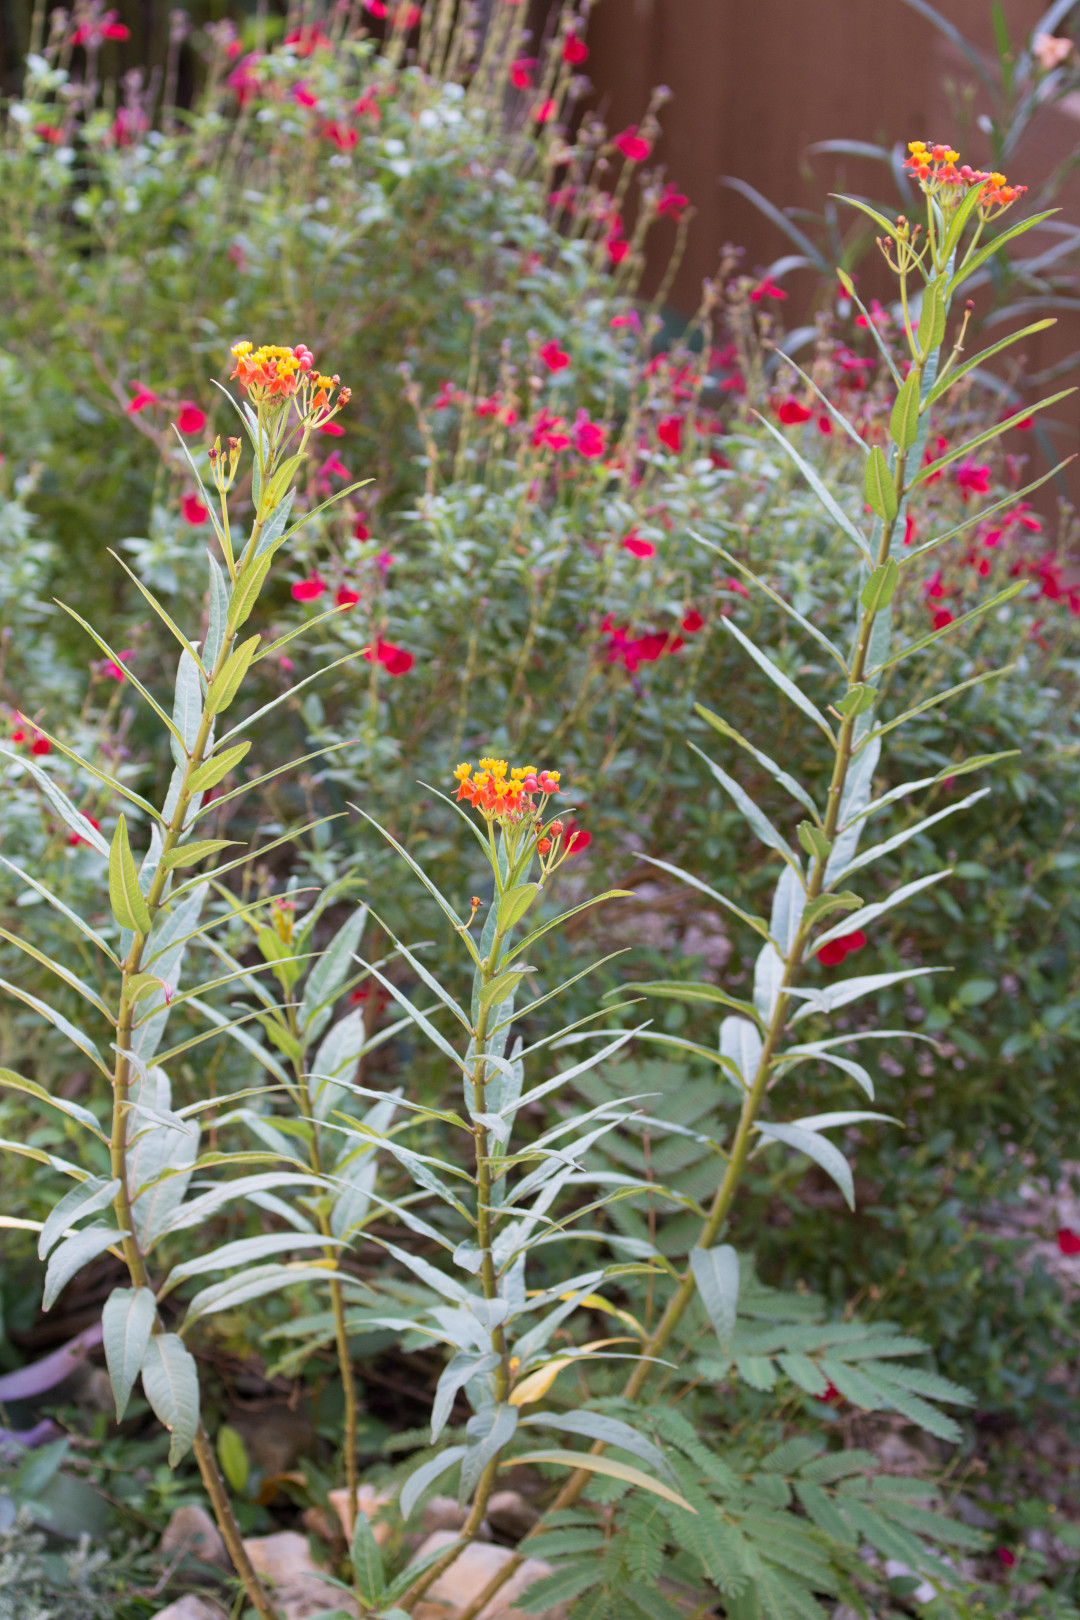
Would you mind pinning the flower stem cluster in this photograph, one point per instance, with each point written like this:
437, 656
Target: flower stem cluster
941, 175
516, 801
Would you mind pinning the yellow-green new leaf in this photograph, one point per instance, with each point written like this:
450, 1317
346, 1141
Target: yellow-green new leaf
191, 854
248, 586
214, 770
904, 421
879, 486
880, 588
603, 1465
171, 1385
932, 320
126, 898
227, 684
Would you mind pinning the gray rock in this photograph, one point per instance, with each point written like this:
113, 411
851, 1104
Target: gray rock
190, 1607
285, 1563
470, 1573
510, 1514
193, 1530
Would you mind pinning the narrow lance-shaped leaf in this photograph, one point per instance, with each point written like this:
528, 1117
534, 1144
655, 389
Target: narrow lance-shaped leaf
777, 676
127, 899
603, 1465
879, 486
74, 1253
87, 1198
79, 824
818, 1148
716, 1273
126, 1321
171, 1383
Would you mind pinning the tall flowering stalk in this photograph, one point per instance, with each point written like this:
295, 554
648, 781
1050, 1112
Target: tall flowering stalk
157, 909
812, 906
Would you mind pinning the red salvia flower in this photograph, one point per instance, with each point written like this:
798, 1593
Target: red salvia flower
634, 147
545, 111
943, 618
333, 430
574, 51
767, 289
395, 660
577, 838
693, 622
972, 479
74, 838
791, 412
521, 72
672, 203
1068, 1241
617, 248
669, 431
193, 509
346, 596
1007, 1556
554, 358
549, 432
143, 397
308, 590
361, 530
191, 418
834, 951
637, 546
303, 96
40, 744
114, 669
590, 439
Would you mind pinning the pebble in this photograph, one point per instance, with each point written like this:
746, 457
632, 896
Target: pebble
469, 1574
193, 1528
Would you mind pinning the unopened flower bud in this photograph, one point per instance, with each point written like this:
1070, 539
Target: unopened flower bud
556, 829
543, 845
530, 784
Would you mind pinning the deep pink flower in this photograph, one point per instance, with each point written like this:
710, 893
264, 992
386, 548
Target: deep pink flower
910, 531
193, 509
634, 147
40, 744
395, 660
549, 432
243, 79
308, 39
308, 590
767, 289
1068, 1241
545, 111
877, 316
347, 597
554, 358
521, 72
590, 439
115, 670
972, 479
49, 132
368, 105
143, 397
343, 136
76, 838
377, 8
191, 418
673, 204
115, 30
617, 248
824, 424
333, 430
834, 952
631, 319
361, 530
669, 431
335, 468
693, 622
942, 619
303, 96
791, 412
1007, 1556
574, 51
577, 838
638, 547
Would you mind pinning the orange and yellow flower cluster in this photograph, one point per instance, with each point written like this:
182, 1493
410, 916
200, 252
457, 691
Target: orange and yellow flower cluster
502, 794
272, 373
938, 169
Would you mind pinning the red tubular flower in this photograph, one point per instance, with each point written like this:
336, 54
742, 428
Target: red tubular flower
307, 40
368, 106
244, 81
834, 951
346, 597
574, 51
1007, 1556
791, 412
521, 72
395, 660
545, 111
191, 418
631, 319
693, 622
617, 248
115, 30
637, 546
143, 397
49, 132
303, 96
910, 531
578, 838
343, 136
114, 670
361, 530
333, 466
308, 590
767, 289
972, 479
669, 431
590, 439
193, 509
554, 358
40, 744
943, 618
672, 204
634, 147
830, 1396
1068, 1241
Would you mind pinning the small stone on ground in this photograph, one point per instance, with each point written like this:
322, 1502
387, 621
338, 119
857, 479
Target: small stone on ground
190, 1607
192, 1529
470, 1573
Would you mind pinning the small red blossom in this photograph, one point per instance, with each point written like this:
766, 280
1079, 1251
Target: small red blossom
304, 97
395, 660
672, 204
834, 951
877, 316
693, 622
830, 1396
1007, 1556
448, 395
74, 838
931, 454
333, 430
306, 40
191, 418
244, 81
637, 546
617, 248
521, 72
1068, 1241
346, 596
368, 106
910, 530
545, 111
737, 586
361, 530
578, 838
574, 51
790, 412
669, 430
40, 744
549, 432
767, 289
554, 358
590, 439
343, 136
114, 668
143, 397
631, 319
972, 479
634, 147
334, 467
49, 132
193, 509
308, 590
943, 618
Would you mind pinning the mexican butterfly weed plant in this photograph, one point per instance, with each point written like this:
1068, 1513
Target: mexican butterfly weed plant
138, 1207
779, 1569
